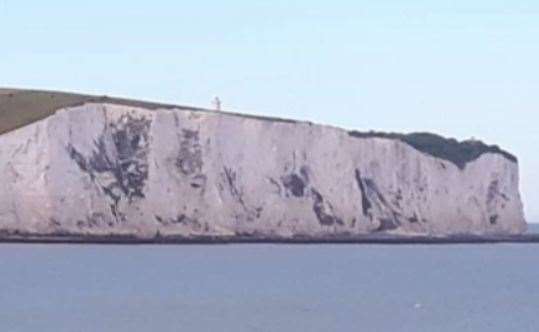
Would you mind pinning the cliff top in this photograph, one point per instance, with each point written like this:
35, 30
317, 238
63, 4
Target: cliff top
459, 153
19, 108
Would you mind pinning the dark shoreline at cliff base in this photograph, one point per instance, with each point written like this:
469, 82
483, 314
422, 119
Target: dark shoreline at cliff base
207, 240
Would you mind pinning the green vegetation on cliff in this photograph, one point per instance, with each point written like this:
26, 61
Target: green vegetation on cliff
19, 108
459, 153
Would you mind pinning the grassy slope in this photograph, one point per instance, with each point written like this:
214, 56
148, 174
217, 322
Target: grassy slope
19, 108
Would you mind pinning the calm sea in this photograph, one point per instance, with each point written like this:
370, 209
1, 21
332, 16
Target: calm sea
269, 288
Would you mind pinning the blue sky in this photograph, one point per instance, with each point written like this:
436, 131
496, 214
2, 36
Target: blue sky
459, 68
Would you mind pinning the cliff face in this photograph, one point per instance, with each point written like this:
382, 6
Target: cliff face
104, 169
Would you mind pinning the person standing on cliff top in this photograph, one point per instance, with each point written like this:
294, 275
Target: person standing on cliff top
216, 103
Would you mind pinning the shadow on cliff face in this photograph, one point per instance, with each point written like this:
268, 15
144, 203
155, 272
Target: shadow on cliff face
374, 204
296, 185
120, 154
189, 159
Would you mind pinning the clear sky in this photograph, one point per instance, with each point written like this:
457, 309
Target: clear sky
459, 68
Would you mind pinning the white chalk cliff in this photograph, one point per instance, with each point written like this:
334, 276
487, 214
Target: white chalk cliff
100, 169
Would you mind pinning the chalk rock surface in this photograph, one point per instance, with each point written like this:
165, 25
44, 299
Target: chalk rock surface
100, 169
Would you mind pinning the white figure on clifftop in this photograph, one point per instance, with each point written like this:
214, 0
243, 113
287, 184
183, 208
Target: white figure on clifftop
216, 103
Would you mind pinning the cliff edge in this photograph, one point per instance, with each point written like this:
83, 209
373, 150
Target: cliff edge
76, 165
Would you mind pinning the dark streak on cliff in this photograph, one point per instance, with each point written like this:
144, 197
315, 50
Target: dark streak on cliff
294, 185
324, 210
125, 159
365, 203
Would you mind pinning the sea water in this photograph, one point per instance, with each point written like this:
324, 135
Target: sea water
250, 287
